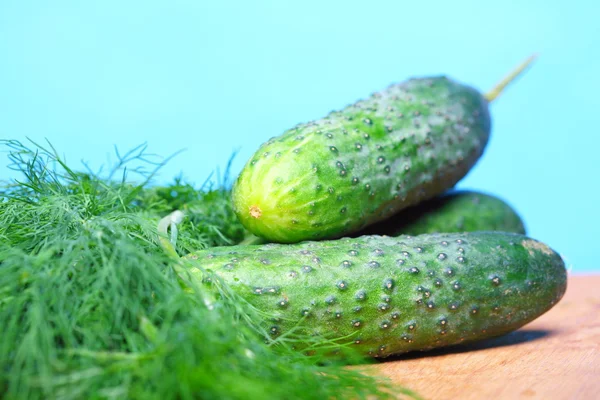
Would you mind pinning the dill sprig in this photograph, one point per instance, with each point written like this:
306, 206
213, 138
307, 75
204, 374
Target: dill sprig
92, 307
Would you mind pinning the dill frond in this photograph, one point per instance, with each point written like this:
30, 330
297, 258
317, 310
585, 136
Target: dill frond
91, 306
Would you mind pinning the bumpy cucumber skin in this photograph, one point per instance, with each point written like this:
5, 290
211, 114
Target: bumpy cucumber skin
357, 166
455, 211
395, 295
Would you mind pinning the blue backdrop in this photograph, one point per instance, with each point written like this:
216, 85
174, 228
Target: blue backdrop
212, 77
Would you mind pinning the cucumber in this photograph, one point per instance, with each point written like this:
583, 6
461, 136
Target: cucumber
393, 295
354, 167
455, 211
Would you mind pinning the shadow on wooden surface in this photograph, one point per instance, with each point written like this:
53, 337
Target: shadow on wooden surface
555, 357
510, 339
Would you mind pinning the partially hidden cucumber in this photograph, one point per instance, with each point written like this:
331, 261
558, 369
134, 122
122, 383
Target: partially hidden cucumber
455, 211
393, 295
354, 167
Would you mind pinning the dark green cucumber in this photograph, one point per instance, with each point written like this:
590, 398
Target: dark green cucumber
456, 211
354, 167
394, 295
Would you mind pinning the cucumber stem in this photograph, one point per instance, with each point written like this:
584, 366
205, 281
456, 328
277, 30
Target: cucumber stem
170, 221
496, 90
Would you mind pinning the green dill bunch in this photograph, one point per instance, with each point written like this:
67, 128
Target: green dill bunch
91, 307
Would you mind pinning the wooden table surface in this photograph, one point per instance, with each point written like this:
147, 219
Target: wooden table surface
556, 356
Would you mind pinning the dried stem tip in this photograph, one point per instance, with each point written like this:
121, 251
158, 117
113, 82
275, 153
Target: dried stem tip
255, 211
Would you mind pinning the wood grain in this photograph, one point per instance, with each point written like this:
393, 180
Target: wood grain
556, 356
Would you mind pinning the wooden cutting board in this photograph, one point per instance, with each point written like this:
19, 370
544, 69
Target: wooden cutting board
556, 356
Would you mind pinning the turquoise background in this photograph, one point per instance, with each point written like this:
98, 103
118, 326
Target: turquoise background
212, 77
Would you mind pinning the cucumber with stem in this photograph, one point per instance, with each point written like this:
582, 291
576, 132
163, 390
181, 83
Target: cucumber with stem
357, 166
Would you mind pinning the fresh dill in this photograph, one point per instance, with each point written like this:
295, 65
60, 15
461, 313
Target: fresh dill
92, 307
